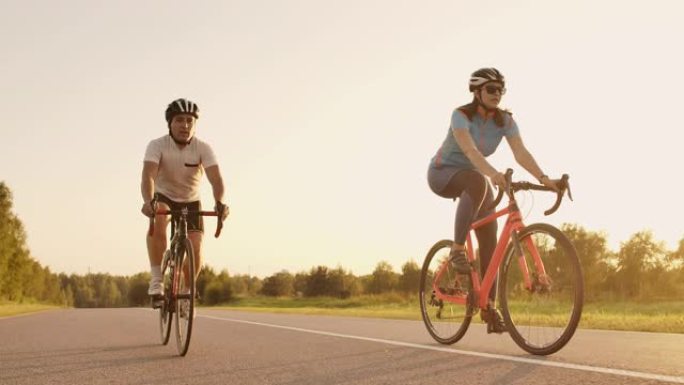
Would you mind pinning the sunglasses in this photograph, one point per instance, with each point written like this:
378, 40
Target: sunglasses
494, 89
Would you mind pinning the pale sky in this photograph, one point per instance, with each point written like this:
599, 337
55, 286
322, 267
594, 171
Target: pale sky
324, 116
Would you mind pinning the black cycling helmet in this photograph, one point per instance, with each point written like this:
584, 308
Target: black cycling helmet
181, 106
484, 76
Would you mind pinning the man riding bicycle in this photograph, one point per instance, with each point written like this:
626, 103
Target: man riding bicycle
172, 170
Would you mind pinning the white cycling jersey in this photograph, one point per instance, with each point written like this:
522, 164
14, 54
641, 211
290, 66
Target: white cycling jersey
180, 168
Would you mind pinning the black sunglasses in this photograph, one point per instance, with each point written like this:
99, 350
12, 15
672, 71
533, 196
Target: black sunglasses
494, 89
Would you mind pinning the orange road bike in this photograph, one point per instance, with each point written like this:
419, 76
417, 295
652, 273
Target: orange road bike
541, 288
178, 299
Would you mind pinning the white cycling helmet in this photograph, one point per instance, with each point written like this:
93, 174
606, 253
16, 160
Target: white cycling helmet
484, 76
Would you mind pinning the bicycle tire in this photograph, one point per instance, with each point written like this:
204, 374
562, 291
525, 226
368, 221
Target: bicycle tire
543, 319
165, 314
185, 303
450, 329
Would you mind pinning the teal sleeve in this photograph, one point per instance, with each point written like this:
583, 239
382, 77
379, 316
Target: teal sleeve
459, 121
511, 127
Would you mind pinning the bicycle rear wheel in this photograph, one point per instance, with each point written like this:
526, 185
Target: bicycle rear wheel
165, 308
185, 298
445, 320
542, 318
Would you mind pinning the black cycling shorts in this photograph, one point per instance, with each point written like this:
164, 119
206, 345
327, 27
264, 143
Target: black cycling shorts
195, 221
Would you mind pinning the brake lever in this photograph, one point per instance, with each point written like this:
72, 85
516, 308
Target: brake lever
566, 185
219, 218
508, 175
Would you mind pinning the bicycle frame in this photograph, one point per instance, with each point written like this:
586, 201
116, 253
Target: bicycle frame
178, 237
174, 258
481, 289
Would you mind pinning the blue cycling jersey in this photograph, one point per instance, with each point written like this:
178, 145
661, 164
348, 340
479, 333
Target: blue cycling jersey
485, 133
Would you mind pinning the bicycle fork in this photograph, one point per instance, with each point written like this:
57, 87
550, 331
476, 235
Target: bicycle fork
538, 280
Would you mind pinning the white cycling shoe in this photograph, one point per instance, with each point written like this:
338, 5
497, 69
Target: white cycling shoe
156, 288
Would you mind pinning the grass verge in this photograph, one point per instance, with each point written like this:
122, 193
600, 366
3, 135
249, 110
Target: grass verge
8, 309
662, 317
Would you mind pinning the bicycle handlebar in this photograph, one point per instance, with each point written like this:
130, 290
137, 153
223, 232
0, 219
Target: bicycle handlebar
219, 221
512, 187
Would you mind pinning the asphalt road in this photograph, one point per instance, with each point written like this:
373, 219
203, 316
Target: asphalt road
121, 346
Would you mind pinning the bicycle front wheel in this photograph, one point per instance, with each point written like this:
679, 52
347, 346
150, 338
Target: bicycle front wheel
185, 298
445, 296
164, 309
542, 308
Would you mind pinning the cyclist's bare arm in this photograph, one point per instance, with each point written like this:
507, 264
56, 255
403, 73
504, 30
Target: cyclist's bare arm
217, 187
149, 173
216, 181
467, 145
526, 161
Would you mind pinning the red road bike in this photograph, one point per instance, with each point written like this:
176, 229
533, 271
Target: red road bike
541, 287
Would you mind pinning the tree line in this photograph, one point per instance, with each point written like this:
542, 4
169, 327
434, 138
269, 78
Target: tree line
643, 268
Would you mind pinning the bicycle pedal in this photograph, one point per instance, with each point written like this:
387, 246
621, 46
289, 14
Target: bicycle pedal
495, 323
434, 301
157, 303
494, 327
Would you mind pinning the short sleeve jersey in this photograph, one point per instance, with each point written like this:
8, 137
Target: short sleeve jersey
485, 133
180, 168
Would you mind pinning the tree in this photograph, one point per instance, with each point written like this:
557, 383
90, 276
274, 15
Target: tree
21, 277
676, 258
137, 289
383, 279
636, 258
246, 285
278, 285
206, 276
219, 290
225, 285
409, 281
594, 256
317, 282
68, 297
299, 283
254, 285
239, 284
84, 293
15, 263
342, 284
676, 263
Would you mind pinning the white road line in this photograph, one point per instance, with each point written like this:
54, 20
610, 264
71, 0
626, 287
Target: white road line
532, 361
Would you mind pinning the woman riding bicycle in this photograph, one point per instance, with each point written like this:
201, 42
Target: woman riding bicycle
459, 167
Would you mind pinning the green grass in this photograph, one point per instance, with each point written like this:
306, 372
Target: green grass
14, 308
382, 306
664, 317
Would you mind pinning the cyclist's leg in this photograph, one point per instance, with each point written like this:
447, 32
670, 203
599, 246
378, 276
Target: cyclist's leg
472, 189
486, 237
196, 240
156, 245
195, 234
